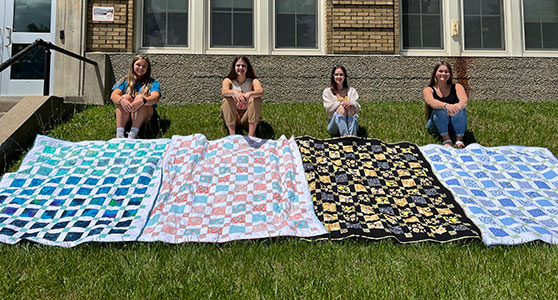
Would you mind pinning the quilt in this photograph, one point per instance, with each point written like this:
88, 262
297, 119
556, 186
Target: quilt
229, 189
67, 193
370, 189
510, 192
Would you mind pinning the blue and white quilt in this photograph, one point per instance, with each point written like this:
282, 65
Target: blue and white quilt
509, 192
68, 193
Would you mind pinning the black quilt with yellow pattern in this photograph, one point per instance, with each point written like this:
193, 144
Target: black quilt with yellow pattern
367, 188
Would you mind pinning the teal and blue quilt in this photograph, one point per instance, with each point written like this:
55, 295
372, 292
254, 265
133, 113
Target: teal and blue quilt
68, 193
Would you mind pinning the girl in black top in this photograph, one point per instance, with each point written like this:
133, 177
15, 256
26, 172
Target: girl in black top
445, 103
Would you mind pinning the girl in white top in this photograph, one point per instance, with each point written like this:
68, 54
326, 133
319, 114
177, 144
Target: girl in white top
341, 103
242, 92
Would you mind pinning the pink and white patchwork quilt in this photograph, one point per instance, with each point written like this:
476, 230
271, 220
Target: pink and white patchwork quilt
231, 189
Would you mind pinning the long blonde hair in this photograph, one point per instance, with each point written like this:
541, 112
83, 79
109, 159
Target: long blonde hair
131, 78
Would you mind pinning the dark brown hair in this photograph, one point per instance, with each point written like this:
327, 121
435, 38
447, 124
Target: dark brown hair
249, 70
333, 86
433, 81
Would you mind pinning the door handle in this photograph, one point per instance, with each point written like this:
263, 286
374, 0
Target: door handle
9, 29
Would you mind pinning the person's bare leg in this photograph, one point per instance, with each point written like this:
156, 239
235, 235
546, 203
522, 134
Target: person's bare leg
252, 129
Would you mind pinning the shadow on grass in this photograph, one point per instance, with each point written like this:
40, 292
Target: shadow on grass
264, 130
153, 129
468, 138
362, 132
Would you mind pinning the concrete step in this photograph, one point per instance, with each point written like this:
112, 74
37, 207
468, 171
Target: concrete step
7, 102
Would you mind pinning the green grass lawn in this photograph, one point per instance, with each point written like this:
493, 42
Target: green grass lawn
288, 267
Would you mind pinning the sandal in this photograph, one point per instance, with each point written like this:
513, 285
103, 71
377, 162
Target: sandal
447, 143
460, 144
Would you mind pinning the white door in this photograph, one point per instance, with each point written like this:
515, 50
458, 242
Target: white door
24, 21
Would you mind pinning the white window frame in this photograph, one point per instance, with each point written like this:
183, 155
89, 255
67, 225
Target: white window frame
139, 28
320, 34
514, 33
532, 52
199, 21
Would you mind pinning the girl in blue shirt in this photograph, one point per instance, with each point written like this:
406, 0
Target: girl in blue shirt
136, 96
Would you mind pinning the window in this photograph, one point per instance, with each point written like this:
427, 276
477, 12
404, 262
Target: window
295, 24
541, 24
483, 24
166, 23
232, 23
422, 24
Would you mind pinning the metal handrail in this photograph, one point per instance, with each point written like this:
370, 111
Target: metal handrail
48, 46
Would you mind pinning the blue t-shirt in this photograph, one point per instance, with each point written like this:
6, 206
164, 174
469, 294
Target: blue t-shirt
155, 86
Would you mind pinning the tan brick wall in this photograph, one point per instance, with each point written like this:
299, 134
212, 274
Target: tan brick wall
117, 36
362, 26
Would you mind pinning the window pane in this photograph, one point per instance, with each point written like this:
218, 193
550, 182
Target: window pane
155, 29
422, 24
31, 66
472, 7
221, 4
242, 29
541, 24
242, 4
31, 15
431, 32
491, 7
285, 6
430, 7
472, 31
411, 6
533, 36
166, 23
295, 24
491, 33
483, 24
178, 29
178, 5
306, 31
221, 30
285, 33
306, 6
411, 32
550, 34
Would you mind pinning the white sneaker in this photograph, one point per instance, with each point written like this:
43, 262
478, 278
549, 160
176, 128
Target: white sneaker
131, 135
119, 135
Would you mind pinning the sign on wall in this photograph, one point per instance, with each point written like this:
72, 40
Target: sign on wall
103, 14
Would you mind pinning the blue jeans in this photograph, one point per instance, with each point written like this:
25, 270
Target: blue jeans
441, 122
341, 125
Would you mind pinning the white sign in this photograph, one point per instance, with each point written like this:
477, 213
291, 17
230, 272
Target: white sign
103, 14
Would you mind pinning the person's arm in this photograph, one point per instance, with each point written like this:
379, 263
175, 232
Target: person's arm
352, 99
453, 109
124, 100
330, 101
227, 91
116, 96
257, 90
428, 94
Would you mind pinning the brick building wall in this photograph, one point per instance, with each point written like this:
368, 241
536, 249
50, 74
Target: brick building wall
362, 26
117, 36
